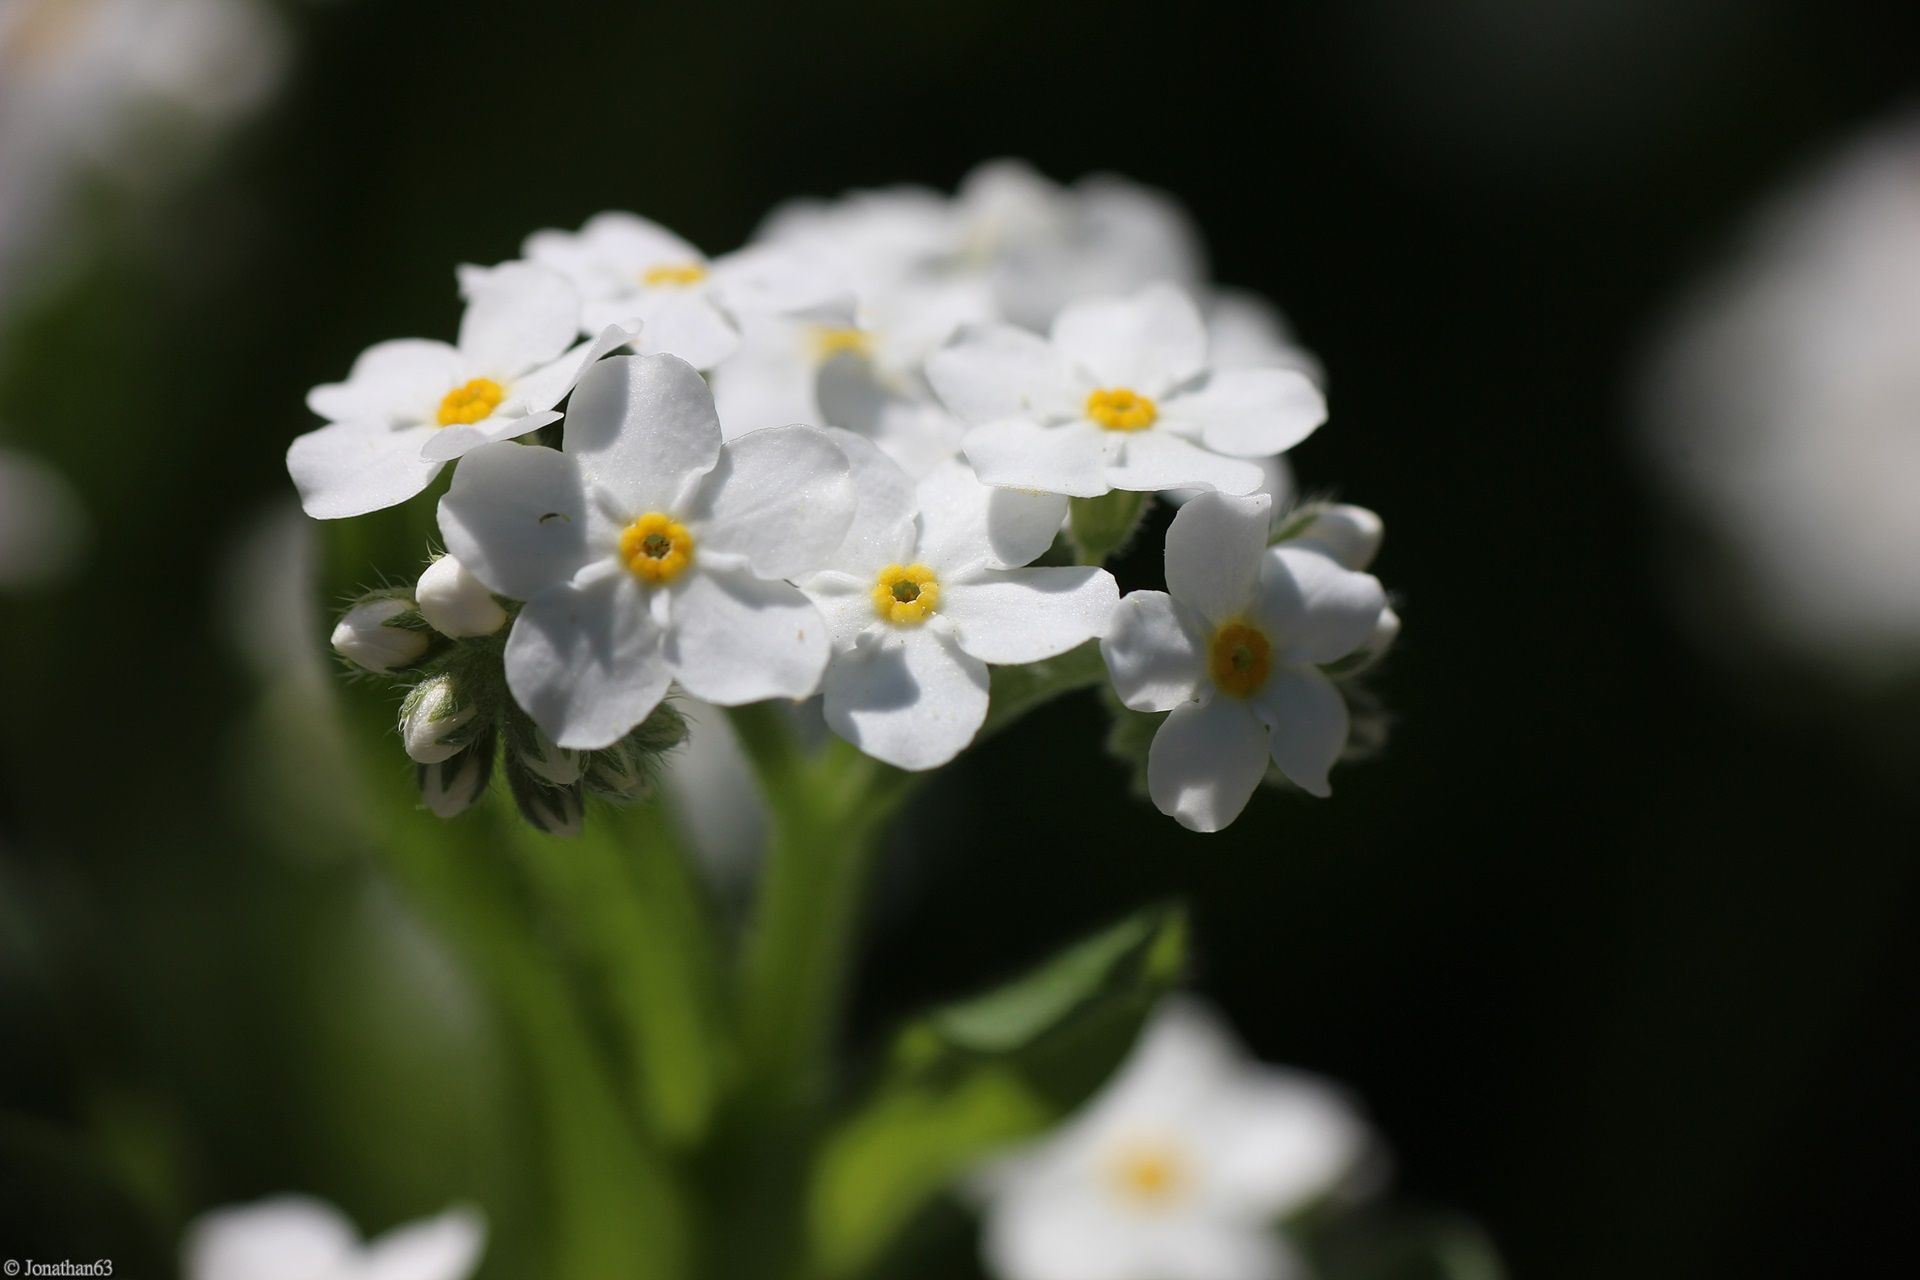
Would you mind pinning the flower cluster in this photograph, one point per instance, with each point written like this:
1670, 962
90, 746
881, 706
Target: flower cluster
883, 449
299, 1238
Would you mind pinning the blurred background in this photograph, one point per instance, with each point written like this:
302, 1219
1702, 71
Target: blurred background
1615, 939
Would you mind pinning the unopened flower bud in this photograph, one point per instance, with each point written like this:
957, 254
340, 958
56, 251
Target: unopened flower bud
1350, 535
432, 719
616, 772
557, 811
455, 603
451, 786
367, 637
554, 765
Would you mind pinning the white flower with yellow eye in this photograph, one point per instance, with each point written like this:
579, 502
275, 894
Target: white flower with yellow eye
1121, 396
649, 551
1233, 649
629, 270
926, 591
411, 406
298, 1238
1177, 1171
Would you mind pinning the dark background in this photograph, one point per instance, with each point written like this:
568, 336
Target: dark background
1615, 945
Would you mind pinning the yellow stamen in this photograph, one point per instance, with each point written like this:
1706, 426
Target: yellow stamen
1151, 1176
829, 342
906, 594
473, 402
673, 275
1118, 409
1240, 659
656, 547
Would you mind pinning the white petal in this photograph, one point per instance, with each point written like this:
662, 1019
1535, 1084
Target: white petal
845, 601
286, 1238
782, 498
1350, 535
1313, 609
1070, 459
351, 468
1068, 1231
768, 380
965, 523
462, 438
913, 700
643, 427
1277, 1140
518, 315
882, 529
517, 518
1197, 1248
909, 426
1150, 342
1205, 762
1155, 659
676, 321
1214, 548
770, 280
443, 1248
1250, 413
1024, 615
546, 386
586, 663
993, 373
628, 243
1157, 459
396, 383
1309, 724
735, 638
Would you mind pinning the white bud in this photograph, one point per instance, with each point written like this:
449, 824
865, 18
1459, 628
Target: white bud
1349, 535
450, 787
455, 603
366, 638
431, 719
615, 772
554, 765
1385, 631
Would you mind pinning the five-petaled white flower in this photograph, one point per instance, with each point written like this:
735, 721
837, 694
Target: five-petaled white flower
919, 606
410, 406
1120, 397
1177, 1171
648, 552
1233, 649
298, 1238
628, 269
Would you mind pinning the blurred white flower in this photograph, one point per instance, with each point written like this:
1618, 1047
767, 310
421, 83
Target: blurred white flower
455, 603
42, 526
102, 89
1179, 1170
1785, 407
298, 1238
412, 405
1233, 648
650, 551
926, 590
1121, 396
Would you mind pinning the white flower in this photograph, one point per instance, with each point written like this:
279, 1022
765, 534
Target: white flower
1121, 397
1233, 648
42, 525
431, 720
1350, 535
298, 1238
1177, 1171
649, 551
411, 406
628, 269
919, 607
1245, 331
366, 636
455, 603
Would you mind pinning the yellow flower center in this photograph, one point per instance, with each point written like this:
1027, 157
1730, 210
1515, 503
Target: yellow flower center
1150, 1176
656, 547
829, 341
1240, 659
1118, 409
905, 594
673, 275
473, 402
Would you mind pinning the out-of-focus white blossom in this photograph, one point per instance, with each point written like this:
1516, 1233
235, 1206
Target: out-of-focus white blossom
1785, 408
455, 603
42, 526
299, 1238
1179, 1170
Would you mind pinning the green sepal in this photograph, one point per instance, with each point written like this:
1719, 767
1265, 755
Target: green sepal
1102, 527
